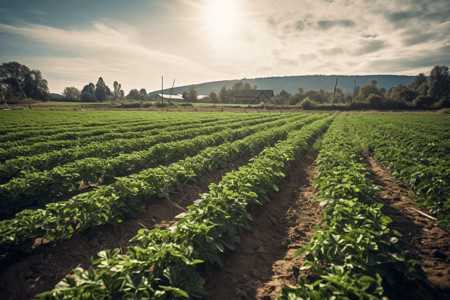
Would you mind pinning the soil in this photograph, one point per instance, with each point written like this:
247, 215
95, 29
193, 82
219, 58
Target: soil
427, 242
48, 263
264, 262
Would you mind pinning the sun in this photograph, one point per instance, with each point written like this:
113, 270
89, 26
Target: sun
221, 18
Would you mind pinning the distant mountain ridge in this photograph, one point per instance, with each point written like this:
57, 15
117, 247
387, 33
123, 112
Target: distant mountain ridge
292, 83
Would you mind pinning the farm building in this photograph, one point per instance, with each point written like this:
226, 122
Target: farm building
251, 96
175, 97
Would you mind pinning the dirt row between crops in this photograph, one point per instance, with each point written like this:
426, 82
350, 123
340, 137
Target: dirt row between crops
50, 263
264, 262
427, 242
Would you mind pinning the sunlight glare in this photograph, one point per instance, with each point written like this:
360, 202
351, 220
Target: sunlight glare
222, 17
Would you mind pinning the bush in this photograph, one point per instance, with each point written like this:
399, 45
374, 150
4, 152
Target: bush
389, 103
86, 97
443, 103
375, 101
131, 105
307, 104
424, 102
160, 104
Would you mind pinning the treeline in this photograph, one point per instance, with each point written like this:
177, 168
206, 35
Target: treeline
226, 95
100, 92
422, 93
18, 82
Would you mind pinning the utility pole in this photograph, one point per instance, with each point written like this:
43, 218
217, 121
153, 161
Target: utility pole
170, 96
23, 93
334, 94
162, 93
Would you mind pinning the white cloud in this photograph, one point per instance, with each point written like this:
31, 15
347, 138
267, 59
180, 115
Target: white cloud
276, 37
106, 52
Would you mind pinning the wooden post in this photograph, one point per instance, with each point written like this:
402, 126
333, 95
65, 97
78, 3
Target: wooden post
334, 94
162, 93
23, 93
170, 96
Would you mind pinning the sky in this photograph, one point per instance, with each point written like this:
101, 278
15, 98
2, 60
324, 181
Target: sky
136, 42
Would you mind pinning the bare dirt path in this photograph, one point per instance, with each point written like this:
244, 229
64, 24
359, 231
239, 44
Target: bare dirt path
49, 263
427, 242
263, 261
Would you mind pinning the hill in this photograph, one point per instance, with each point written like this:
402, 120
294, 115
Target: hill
292, 83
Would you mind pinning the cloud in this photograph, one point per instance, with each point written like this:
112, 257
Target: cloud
327, 24
276, 37
418, 13
299, 25
369, 36
421, 63
370, 46
100, 51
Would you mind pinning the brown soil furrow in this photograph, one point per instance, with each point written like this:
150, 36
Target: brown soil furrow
49, 263
427, 242
264, 262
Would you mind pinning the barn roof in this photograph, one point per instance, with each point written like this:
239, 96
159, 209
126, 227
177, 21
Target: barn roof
251, 96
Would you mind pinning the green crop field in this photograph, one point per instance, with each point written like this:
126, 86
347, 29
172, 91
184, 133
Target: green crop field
67, 173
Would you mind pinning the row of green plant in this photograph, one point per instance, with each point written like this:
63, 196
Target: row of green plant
44, 186
79, 133
353, 253
67, 131
418, 155
49, 160
165, 264
72, 139
24, 120
128, 196
15, 131
78, 138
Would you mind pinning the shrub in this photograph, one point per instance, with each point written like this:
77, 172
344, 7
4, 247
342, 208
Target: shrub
424, 102
307, 104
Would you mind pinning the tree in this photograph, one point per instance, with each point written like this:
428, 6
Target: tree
241, 86
143, 93
224, 95
88, 93
213, 98
418, 81
23, 82
297, 97
101, 90
134, 95
366, 90
238, 86
401, 93
374, 100
118, 92
72, 93
439, 83
191, 94
87, 97
316, 96
284, 95
338, 95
